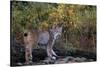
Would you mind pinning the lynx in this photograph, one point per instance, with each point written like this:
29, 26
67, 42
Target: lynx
44, 37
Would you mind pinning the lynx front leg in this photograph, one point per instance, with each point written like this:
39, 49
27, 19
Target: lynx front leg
51, 54
54, 55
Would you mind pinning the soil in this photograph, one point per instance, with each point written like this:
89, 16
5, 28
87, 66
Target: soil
40, 57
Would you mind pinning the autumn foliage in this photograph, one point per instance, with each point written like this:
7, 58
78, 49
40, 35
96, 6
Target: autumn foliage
79, 30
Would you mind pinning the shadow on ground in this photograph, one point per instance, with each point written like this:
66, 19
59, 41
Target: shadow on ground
39, 55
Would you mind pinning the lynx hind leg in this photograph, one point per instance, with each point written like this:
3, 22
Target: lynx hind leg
29, 41
28, 55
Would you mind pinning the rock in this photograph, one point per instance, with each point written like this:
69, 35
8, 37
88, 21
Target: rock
69, 58
60, 62
19, 64
48, 61
72, 61
77, 59
83, 59
90, 60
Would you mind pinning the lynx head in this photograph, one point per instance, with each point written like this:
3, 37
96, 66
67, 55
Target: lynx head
56, 30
